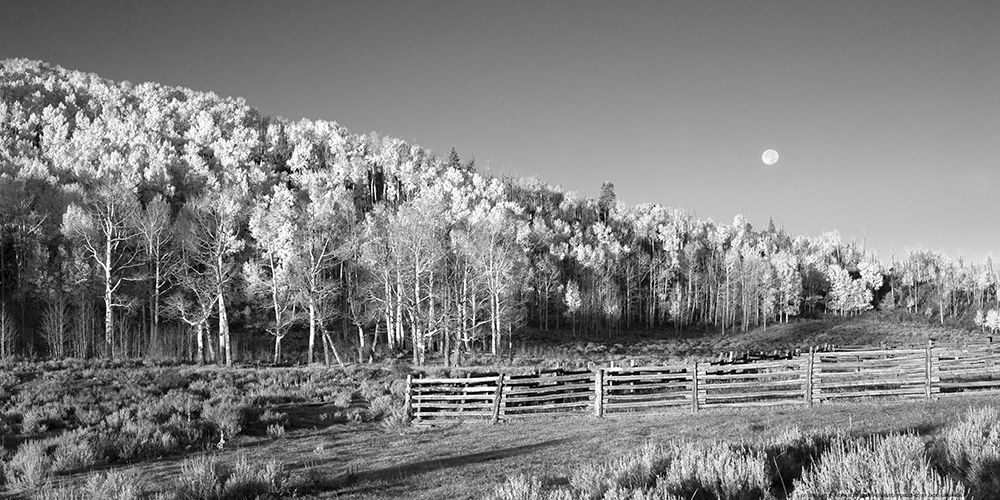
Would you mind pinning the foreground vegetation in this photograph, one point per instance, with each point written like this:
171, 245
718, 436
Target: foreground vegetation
58, 418
963, 460
66, 426
331, 458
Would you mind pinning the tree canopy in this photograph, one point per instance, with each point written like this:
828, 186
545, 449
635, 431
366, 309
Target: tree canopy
149, 220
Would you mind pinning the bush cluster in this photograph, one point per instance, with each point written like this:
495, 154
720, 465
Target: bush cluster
70, 415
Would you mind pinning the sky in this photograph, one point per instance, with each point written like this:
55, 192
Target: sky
886, 114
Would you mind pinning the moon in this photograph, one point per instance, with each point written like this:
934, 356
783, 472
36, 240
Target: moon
770, 157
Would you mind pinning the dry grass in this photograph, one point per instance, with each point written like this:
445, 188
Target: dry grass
329, 428
62, 417
469, 461
969, 451
955, 462
561, 349
891, 467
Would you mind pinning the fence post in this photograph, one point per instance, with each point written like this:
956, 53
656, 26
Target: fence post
930, 345
599, 392
809, 377
408, 400
694, 387
496, 399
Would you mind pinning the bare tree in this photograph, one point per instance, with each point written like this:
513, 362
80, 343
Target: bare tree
489, 243
323, 222
103, 231
154, 227
211, 241
195, 298
269, 273
415, 237
55, 323
195, 308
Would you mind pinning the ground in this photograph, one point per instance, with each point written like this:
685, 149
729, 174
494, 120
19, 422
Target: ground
468, 460
348, 457
548, 349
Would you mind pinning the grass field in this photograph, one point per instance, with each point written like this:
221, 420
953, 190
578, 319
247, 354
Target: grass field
470, 460
548, 349
168, 431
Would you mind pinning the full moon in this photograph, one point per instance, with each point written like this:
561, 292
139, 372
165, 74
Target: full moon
770, 157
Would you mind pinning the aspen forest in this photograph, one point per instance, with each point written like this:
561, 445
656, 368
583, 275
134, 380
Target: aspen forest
149, 221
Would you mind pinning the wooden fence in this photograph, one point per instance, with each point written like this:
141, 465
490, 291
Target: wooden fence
805, 378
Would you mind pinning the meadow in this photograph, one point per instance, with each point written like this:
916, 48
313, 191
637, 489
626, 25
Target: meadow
128, 429
62, 418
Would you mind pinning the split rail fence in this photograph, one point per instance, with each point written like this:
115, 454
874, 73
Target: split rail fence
805, 379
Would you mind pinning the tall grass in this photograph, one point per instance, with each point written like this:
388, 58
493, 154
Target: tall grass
205, 478
895, 466
82, 414
711, 470
826, 464
969, 451
518, 487
30, 468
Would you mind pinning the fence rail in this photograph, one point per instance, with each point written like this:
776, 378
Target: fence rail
806, 378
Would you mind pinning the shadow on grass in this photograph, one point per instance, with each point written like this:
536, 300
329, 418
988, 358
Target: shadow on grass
378, 479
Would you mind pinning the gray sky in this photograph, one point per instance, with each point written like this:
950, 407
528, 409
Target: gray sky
886, 113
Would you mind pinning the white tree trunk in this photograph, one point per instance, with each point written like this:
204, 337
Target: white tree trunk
108, 317
225, 348
200, 339
312, 327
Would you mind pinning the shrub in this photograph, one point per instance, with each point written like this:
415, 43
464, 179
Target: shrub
342, 398
115, 485
204, 478
73, 450
396, 420
791, 451
969, 451
635, 471
125, 435
44, 417
249, 480
270, 417
61, 493
187, 431
895, 466
703, 470
227, 414
275, 431
201, 478
518, 487
30, 468
717, 470
372, 389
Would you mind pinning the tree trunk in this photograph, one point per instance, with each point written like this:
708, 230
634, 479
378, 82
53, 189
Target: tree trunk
312, 327
225, 348
200, 339
389, 325
361, 343
108, 317
156, 303
333, 348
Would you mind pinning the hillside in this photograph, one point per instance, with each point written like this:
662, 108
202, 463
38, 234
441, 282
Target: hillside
539, 349
146, 220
